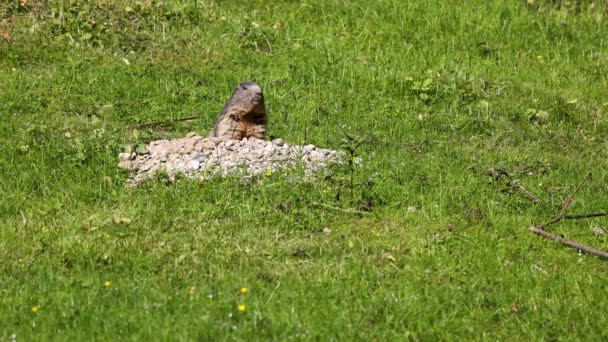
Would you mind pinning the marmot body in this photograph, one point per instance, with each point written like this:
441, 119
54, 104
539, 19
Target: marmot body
244, 115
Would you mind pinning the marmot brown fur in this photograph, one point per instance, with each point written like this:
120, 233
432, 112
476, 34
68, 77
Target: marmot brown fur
244, 116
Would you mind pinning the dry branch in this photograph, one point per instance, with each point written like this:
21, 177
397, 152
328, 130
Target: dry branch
574, 244
583, 216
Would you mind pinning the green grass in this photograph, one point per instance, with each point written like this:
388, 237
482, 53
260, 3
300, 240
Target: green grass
438, 91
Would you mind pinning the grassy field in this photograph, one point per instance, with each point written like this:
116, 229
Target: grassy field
456, 104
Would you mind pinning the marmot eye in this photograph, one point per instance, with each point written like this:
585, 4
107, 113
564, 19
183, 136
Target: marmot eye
244, 88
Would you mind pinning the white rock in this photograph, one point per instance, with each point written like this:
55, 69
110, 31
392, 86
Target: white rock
194, 164
126, 156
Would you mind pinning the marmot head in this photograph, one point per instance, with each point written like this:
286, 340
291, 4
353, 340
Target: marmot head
248, 96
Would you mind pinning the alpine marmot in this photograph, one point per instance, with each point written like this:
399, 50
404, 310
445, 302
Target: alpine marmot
244, 115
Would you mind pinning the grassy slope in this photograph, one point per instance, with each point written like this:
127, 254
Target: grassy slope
69, 100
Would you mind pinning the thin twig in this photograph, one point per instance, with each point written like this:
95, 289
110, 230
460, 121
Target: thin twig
267, 42
551, 221
350, 211
582, 216
532, 197
569, 199
159, 123
569, 243
23, 218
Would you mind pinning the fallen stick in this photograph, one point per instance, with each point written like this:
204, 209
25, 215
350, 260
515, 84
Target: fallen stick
538, 229
574, 244
532, 197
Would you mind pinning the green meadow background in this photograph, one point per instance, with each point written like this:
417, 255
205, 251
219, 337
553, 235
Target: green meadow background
449, 109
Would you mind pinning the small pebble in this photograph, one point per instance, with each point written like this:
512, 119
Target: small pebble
127, 156
194, 164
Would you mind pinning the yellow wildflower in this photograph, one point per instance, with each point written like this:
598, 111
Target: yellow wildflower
540, 59
107, 283
34, 309
242, 307
244, 290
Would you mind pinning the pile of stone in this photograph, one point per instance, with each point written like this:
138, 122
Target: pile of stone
198, 157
